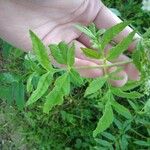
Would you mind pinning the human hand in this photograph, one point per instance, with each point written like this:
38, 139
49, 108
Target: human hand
53, 21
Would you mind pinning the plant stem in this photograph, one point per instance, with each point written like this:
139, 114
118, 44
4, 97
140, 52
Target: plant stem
103, 66
138, 134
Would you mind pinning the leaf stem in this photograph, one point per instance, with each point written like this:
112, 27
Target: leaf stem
137, 133
103, 66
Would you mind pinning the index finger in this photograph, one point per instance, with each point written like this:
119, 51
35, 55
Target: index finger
106, 19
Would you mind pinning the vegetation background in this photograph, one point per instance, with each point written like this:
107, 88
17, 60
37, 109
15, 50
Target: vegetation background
70, 126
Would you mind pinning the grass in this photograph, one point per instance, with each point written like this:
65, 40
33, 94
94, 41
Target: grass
70, 126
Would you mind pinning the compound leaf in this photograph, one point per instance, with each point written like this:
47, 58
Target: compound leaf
61, 89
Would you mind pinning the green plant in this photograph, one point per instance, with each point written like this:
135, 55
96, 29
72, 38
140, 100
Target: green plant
53, 94
12, 82
136, 14
70, 125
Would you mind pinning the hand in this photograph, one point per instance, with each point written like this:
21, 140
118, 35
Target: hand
53, 21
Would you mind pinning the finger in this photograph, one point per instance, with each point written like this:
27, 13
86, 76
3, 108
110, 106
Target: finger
88, 73
122, 75
130, 69
106, 19
85, 40
81, 56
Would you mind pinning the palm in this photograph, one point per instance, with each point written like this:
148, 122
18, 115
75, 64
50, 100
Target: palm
53, 21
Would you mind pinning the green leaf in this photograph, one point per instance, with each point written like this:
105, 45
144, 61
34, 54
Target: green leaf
130, 95
19, 95
9, 78
75, 77
17, 53
118, 124
123, 142
133, 105
32, 65
130, 85
55, 97
61, 89
71, 55
91, 53
68, 117
112, 32
13, 93
63, 50
147, 107
136, 56
7, 93
85, 30
105, 121
55, 51
41, 52
106, 97
104, 143
120, 109
29, 83
6, 50
92, 28
95, 85
142, 143
42, 87
108, 136
116, 51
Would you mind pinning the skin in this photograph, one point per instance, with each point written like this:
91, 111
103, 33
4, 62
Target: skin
53, 21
